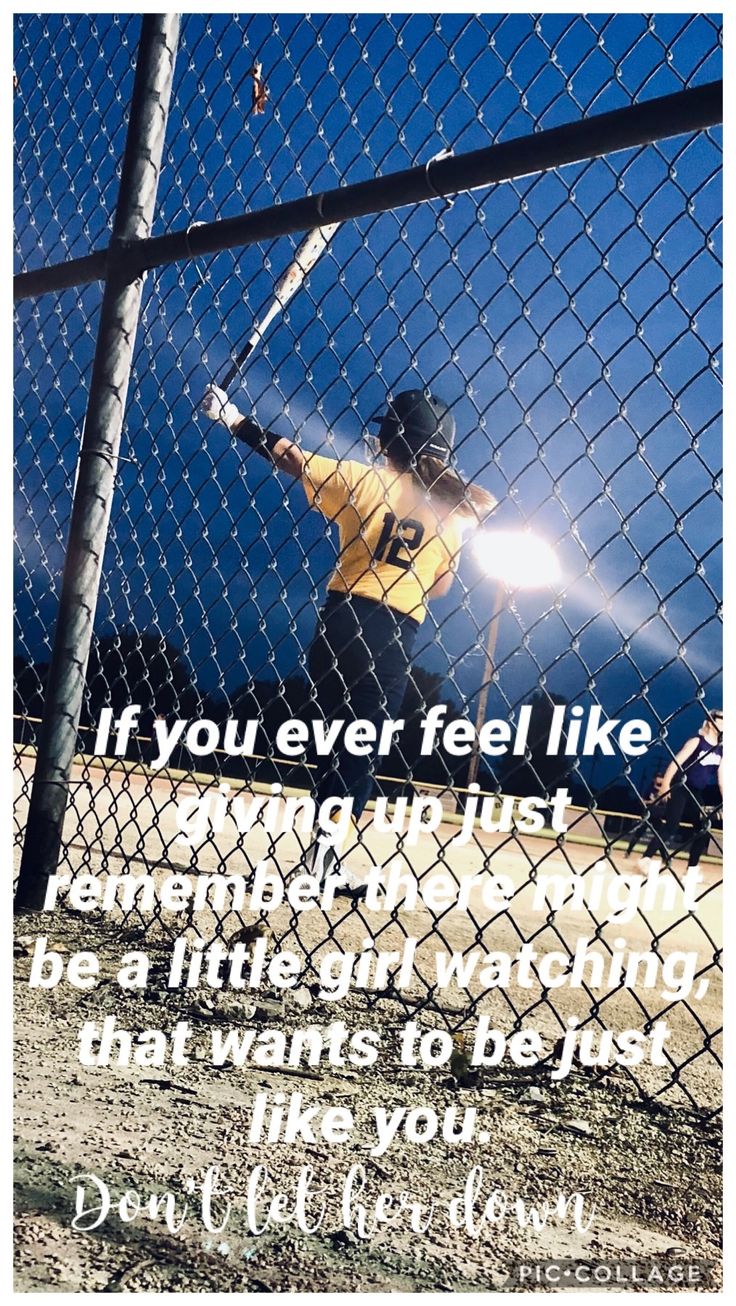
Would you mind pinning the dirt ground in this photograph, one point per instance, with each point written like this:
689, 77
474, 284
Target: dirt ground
651, 1168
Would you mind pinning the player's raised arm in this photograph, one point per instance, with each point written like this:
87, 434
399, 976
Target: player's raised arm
285, 455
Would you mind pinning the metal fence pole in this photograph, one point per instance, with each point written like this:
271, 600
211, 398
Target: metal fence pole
98, 459
489, 661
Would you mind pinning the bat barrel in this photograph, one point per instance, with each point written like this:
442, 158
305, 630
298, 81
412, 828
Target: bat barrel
304, 260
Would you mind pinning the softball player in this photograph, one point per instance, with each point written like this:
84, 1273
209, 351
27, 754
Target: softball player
692, 790
399, 526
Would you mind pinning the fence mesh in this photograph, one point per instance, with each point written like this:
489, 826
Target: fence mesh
573, 322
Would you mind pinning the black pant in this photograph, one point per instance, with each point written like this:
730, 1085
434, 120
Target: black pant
652, 821
695, 806
359, 662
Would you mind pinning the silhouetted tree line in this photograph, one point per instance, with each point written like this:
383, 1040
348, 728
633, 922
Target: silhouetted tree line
146, 668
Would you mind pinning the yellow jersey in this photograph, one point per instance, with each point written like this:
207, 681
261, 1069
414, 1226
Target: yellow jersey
393, 544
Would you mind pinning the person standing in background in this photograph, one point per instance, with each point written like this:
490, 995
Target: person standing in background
651, 817
692, 788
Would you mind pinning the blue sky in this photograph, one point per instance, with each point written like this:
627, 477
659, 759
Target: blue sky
572, 320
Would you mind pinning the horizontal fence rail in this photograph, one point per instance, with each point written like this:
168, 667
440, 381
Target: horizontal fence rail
671, 115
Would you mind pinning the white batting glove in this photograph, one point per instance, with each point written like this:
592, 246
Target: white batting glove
216, 405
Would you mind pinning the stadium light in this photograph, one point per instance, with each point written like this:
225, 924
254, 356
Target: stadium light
514, 560
519, 559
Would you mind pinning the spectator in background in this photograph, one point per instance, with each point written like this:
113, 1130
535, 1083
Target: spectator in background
692, 789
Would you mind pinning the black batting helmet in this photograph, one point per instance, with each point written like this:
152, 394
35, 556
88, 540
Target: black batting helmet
415, 423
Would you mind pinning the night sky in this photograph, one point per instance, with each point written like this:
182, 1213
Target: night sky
573, 321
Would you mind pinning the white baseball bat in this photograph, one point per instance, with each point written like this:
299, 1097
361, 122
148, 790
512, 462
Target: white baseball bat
314, 244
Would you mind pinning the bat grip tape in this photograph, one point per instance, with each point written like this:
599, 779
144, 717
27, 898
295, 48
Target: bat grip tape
234, 368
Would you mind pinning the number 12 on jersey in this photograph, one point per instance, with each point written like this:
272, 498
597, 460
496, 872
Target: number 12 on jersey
396, 538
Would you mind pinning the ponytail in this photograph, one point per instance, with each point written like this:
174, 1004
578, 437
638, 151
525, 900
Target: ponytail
446, 487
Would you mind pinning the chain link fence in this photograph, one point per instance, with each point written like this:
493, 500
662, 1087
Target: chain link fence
572, 320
